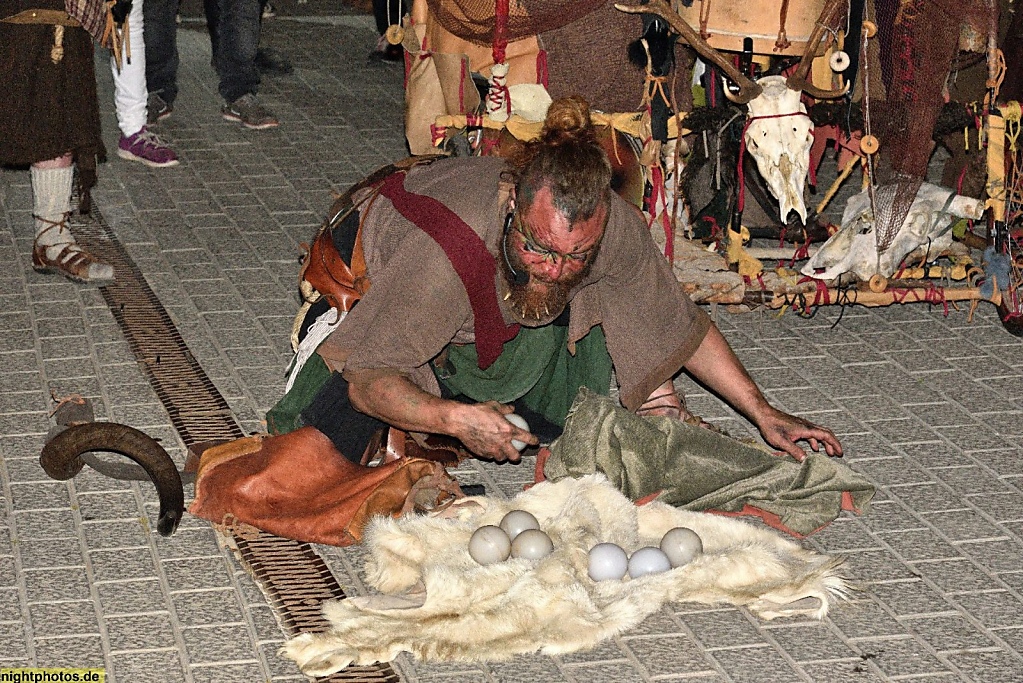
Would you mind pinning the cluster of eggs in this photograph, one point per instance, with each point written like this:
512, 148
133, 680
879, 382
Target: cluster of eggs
679, 546
518, 535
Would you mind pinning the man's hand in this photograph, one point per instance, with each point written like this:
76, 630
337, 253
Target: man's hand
782, 431
484, 430
392, 398
716, 366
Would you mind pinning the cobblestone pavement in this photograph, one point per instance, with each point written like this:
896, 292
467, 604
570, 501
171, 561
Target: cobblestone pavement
929, 406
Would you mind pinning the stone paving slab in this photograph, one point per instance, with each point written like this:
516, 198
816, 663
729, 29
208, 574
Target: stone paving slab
929, 406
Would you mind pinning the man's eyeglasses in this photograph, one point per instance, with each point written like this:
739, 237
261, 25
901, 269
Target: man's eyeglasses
531, 246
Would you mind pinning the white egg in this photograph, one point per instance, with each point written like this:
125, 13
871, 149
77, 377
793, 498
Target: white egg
532, 544
489, 544
682, 545
608, 562
521, 423
648, 560
517, 521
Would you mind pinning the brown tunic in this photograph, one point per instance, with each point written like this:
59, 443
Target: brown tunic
417, 304
46, 109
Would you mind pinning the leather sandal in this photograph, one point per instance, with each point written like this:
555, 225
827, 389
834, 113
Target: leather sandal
71, 261
661, 401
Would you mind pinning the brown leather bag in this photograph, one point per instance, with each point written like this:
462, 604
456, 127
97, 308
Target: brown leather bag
324, 271
299, 486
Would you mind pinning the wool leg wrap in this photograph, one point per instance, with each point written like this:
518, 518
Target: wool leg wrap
51, 193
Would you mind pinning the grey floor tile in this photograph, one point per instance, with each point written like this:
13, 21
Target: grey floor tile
996, 609
122, 564
126, 598
903, 657
210, 644
909, 597
229, 673
661, 655
722, 629
209, 607
957, 576
949, 632
607, 672
51, 553
13, 641
10, 605
159, 667
75, 652
56, 619
139, 632
811, 642
989, 667
865, 619
756, 665
51, 585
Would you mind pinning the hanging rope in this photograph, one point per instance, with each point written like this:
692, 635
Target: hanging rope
783, 42
704, 18
499, 98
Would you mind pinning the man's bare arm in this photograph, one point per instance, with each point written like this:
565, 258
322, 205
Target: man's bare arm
715, 365
394, 399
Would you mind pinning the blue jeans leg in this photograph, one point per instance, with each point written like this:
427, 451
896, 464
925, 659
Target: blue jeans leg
161, 37
237, 43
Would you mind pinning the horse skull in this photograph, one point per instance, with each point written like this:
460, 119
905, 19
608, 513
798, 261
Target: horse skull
778, 136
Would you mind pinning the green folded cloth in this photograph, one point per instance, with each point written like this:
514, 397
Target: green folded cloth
697, 469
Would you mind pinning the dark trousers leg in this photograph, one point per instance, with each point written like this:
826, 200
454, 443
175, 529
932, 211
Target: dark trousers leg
161, 37
211, 8
237, 42
332, 413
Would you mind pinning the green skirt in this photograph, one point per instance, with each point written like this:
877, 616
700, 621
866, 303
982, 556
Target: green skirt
535, 367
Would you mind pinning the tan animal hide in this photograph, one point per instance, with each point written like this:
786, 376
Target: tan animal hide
440, 605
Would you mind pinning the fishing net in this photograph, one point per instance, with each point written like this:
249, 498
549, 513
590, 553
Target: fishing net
473, 20
916, 43
584, 41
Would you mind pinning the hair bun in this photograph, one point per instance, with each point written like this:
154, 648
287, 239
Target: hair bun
568, 118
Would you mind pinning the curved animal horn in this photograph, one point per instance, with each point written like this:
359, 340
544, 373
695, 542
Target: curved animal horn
799, 80
61, 459
748, 89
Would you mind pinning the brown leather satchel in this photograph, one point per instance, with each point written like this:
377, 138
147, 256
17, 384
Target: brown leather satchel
324, 271
299, 486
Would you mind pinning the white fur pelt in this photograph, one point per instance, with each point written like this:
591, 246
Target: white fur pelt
442, 606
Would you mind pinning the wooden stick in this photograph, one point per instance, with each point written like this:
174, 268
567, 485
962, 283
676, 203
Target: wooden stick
776, 253
892, 296
833, 190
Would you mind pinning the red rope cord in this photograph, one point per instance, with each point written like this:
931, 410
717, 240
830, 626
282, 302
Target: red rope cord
500, 30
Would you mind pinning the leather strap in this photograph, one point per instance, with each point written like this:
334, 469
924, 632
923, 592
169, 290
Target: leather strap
468, 255
54, 17
323, 268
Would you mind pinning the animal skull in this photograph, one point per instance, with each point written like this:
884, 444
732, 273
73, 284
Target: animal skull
778, 137
853, 249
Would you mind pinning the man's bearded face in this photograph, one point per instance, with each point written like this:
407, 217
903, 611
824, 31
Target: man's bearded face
555, 255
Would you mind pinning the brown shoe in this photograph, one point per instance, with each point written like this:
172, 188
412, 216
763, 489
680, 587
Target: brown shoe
72, 262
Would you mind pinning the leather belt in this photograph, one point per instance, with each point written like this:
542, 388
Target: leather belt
54, 17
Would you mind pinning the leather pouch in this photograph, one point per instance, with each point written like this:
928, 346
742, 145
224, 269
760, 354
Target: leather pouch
299, 486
